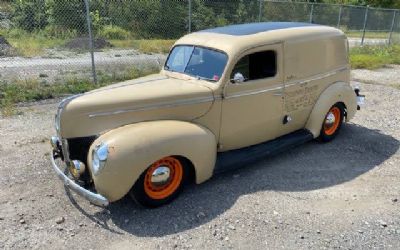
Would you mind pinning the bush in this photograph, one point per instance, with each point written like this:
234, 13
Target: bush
114, 32
16, 33
52, 31
68, 14
30, 15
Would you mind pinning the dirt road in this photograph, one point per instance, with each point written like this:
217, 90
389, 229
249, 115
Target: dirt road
344, 194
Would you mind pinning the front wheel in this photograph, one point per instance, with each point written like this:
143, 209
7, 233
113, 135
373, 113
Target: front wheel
160, 183
332, 123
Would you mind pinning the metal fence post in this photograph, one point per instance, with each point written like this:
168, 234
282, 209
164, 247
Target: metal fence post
89, 24
190, 15
260, 10
365, 25
392, 27
340, 16
311, 13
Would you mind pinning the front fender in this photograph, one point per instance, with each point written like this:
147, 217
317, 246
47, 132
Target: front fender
337, 92
133, 148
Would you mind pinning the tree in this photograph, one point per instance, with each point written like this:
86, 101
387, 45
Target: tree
68, 14
29, 15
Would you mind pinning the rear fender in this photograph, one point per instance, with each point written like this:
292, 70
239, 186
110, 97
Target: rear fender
337, 92
133, 148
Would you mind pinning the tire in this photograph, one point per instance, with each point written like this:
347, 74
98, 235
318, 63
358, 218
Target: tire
148, 193
332, 123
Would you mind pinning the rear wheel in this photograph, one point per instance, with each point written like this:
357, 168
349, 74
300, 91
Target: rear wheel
160, 183
332, 123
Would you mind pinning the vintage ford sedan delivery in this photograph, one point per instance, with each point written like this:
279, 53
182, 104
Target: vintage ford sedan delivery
225, 97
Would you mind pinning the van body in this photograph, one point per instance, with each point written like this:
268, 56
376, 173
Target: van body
225, 97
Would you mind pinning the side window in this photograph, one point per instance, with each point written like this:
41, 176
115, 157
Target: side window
257, 65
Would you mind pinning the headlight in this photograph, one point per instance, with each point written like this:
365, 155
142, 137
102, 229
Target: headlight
99, 157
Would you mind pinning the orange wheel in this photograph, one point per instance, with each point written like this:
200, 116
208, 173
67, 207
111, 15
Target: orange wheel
332, 120
161, 182
163, 178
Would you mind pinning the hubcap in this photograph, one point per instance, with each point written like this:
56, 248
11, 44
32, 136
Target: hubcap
163, 178
160, 176
330, 120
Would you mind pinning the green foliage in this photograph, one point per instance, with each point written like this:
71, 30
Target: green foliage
68, 14
33, 44
169, 19
147, 19
207, 14
57, 32
97, 21
373, 57
114, 32
29, 15
372, 3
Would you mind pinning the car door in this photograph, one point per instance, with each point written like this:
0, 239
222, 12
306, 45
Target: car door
252, 110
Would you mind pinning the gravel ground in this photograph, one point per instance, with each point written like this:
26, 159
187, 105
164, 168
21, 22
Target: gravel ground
343, 194
388, 76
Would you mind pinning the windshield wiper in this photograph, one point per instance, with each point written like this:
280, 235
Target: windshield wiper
205, 78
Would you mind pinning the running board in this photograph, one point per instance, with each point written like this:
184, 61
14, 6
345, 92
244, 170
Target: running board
234, 159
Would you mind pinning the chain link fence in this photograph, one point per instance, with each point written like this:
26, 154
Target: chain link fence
49, 41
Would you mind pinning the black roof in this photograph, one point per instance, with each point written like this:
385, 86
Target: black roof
253, 28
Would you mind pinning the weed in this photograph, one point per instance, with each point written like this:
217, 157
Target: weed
145, 46
368, 34
35, 90
373, 57
114, 32
31, 44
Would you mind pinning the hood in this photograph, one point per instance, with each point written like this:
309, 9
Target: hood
154, 97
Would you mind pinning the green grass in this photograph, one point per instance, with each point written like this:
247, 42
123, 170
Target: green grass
31, 44
145, 46
373, 57
35, 90
34, 44
368, 34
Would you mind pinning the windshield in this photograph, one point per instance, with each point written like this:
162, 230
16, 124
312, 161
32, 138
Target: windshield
196, 61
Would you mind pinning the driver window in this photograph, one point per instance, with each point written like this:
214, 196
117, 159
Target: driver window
255, 66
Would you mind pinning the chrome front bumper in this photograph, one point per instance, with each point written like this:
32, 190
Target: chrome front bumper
94, 198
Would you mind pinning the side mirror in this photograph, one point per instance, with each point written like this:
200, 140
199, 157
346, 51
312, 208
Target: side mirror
238, 78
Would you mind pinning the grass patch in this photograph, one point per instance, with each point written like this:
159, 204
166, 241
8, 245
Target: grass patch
373, 57
35, 90
145, 46
397, 86
114, 32
31, 44
368, 34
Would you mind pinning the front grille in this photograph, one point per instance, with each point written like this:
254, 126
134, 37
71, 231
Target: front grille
79, 148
